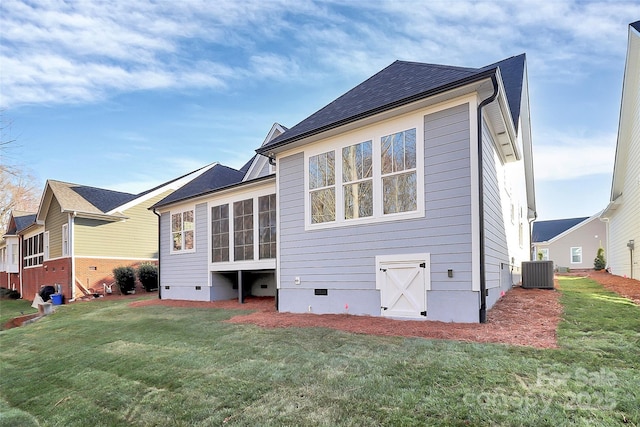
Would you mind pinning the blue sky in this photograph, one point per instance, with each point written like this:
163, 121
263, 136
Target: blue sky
127, 95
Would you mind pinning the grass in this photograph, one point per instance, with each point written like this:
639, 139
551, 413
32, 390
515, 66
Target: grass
106, 364
10, 308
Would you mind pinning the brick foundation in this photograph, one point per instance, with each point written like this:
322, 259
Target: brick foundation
93, 272
50, 273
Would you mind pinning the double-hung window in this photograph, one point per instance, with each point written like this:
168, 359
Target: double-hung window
576, 255
322, 188
182, 231
357, 180
399, 178
376, 179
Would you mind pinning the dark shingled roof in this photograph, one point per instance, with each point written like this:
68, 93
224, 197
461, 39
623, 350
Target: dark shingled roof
219, 176
24, 221
400, 83
103, 199
636, 25
543, 231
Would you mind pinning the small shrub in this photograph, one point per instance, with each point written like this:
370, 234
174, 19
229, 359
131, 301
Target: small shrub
599, 262
9, 294
125, 278
148, 276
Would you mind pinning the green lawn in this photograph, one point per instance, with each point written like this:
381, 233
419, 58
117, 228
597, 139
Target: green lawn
10, 308
106, 364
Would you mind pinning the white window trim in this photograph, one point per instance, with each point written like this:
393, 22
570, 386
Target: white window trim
545, 254
65, 239
181, 211
372, 133
571, 254
46, 245
33, 255
256, 262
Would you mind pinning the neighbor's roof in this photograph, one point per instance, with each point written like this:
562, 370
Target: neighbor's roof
21, 220
543, 231
636, 25
398, 84
217, 177
82, 198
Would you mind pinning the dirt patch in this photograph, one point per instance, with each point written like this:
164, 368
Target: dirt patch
628, 288
524, 317
20, 320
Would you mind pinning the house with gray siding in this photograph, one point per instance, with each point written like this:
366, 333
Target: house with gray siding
410, 196
218, 233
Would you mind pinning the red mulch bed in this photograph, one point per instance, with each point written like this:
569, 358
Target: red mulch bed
18, 321
628, 288
525, 317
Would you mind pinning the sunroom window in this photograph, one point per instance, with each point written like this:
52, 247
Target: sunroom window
243, 230
357, 179
399, 179
322, 187
267, 226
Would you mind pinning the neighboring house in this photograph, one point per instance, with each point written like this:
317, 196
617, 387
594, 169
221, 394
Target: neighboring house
81, 233
409, 196
10, 253
622, 215
218, 236
571, 243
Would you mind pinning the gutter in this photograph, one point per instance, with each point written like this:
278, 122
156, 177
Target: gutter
483, 281
159, 237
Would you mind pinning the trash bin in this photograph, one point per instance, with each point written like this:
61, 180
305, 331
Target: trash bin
56, 299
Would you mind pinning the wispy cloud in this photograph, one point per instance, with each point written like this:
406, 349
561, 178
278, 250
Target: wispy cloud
57, 52
566, 156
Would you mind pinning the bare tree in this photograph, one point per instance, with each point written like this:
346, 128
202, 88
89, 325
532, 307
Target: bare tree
18, 189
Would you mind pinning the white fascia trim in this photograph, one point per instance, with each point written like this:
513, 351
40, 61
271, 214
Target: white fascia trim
574, 228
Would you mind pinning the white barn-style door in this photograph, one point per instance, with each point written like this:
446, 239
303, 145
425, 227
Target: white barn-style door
403, 287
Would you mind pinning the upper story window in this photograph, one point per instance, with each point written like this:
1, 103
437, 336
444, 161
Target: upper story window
182, 231
399, 180
220, 233
357, 180
322, 174
377, 179
33, 250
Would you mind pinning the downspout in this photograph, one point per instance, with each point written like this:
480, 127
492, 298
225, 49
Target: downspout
72, 253
483, 282
159, 263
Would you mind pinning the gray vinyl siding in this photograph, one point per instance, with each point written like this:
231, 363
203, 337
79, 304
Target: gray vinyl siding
496, 247
342, 259
182, 272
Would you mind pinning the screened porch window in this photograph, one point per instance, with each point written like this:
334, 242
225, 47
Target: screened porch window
267, 226
220, 233
243, 230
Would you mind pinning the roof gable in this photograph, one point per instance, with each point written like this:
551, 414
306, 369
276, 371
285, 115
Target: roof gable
399, 83
543, 231
19, 221
219, 176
